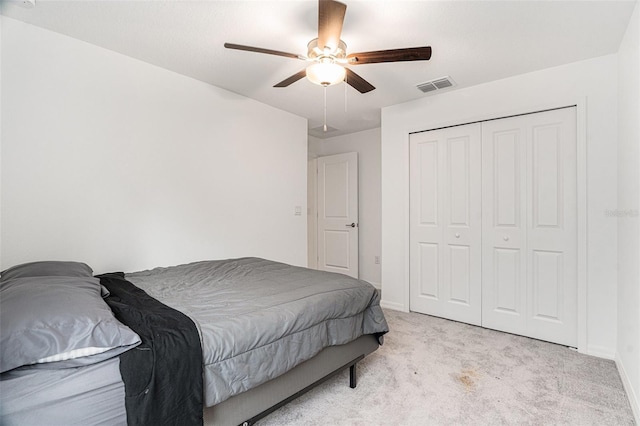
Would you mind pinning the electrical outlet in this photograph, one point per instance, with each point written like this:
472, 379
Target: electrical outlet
377, 260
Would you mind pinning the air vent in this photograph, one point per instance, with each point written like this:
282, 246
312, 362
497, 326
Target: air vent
437, 84
427, 87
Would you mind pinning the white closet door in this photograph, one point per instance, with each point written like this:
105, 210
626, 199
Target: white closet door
529, 241
445, 215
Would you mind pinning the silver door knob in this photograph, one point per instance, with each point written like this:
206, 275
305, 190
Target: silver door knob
351, 225
457, 235
506, 238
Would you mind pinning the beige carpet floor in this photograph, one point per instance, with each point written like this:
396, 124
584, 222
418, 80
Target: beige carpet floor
431, 371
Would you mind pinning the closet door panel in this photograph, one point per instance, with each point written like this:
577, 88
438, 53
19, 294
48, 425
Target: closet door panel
429, 271
529, 225
507, 295
504, 153
460, 283
546, 175
547, 285
425, 256
552, 227
428, 175
504, 292
445, 223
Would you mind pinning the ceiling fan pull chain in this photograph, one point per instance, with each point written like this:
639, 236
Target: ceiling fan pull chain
325, 108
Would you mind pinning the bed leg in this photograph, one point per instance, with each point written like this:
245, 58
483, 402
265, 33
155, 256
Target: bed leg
353, 378
352, 383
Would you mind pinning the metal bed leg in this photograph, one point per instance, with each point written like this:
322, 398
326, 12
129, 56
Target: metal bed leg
352, 383
353, 377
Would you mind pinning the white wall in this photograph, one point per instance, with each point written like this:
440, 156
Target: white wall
124, 165
628, 354
1, 132
367, 145
591, 84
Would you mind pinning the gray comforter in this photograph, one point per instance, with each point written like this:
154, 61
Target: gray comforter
258, 319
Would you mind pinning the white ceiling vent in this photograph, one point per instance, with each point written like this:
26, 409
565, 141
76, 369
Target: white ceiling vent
437, 84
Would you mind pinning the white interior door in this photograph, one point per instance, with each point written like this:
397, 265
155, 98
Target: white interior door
529, 240
338, 213
445, 223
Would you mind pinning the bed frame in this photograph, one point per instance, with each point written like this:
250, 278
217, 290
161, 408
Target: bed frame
250, 406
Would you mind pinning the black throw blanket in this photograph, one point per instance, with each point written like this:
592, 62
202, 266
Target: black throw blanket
163, 375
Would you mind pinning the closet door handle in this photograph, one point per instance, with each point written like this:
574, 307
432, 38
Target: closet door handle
506, 238
457, 235
351, 225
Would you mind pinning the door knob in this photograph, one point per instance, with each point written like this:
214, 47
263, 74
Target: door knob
351, 225
506, 238
457, 235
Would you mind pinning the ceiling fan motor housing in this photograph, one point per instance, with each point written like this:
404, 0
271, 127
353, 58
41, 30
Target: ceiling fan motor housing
317, 53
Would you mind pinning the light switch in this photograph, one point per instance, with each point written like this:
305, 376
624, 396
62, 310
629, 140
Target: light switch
298, 211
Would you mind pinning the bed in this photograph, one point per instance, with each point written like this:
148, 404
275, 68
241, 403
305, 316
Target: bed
267, 332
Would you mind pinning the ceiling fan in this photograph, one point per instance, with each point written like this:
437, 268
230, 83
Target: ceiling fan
328, 53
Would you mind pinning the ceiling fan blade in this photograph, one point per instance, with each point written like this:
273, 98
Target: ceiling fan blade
391, 55
357, 82
261, 50
290, 80
330, 19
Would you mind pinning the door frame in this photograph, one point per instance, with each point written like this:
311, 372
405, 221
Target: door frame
581, 207
312, 213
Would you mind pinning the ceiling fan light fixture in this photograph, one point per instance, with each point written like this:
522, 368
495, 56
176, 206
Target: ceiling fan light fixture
318, 52
325, 73
328, 53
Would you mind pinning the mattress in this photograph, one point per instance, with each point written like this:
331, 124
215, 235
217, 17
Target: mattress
258, 319
36, 396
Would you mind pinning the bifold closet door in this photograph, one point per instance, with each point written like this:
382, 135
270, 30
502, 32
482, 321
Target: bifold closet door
445, 227
529, 241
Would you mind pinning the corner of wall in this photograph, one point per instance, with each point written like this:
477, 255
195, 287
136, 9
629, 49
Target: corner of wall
97, 108
312, 238
599, 351
626, 383
392, 305
378, 286
627, 355
1, 50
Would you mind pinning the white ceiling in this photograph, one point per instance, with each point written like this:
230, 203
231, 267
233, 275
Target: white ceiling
473, 42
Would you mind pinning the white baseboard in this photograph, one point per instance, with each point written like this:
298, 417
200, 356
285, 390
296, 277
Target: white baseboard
634, 399
392, 305
599, 351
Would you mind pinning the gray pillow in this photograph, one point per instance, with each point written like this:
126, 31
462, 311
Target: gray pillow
49, 268
58, 318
